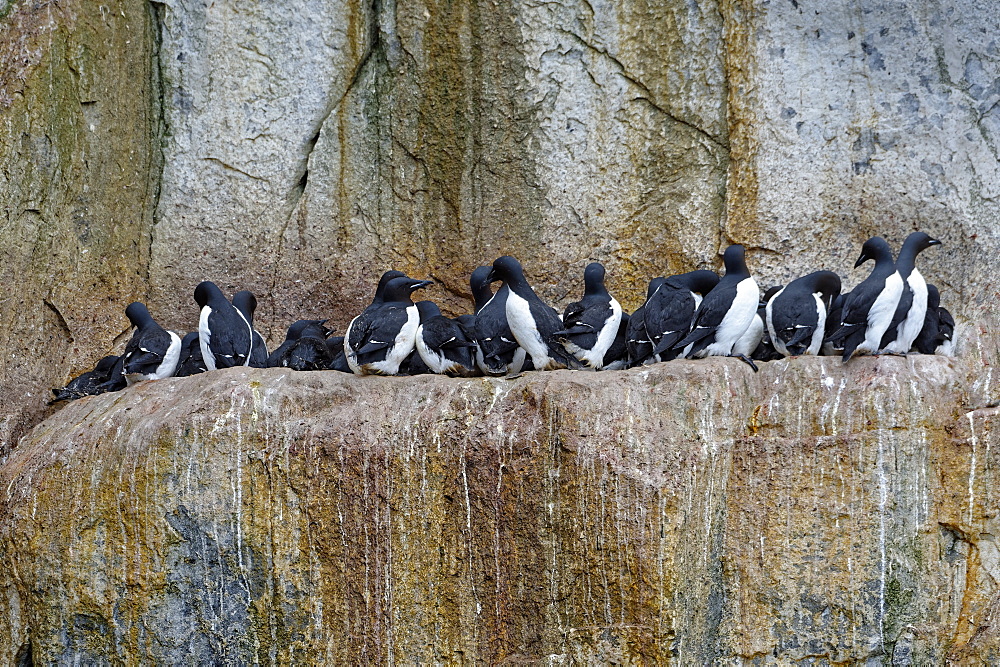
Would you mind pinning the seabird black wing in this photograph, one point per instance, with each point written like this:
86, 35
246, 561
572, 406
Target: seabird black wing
668, 315
637, 343
709, 316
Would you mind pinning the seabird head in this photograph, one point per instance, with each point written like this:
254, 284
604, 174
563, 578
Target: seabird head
875, 248
827, 283
399, 289
701, 282
138, 315
735, 261
314, 329
479, 281
383, 282
206, 291
507, 269
769, 294
427, 310
245, 302
593, 279
919, 241
298, 328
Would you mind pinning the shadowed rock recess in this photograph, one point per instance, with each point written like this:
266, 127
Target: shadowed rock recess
692, 511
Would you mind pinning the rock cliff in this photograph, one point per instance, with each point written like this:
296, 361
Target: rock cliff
692, 511
299, 151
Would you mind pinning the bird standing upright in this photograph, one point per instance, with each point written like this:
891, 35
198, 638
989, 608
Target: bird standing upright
869, 308
726, 312
531, 321
591, 324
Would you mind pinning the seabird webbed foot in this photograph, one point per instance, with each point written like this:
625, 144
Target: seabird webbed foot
747, 359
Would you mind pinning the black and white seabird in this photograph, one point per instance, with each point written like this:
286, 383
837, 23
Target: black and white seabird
191, 362
796, 315
912, 307
153, 352
338, 360
499, 353
726, 312
591, 324
531, 321
225, 336
616, 358
383, 282
309, 352
669, 312
442, 343
380, 338
246, 303
280, 356
869, 308
90, 383
638, 344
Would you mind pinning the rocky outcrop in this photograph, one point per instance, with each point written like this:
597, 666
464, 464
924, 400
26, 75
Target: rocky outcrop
690, 511
78, 183
305, 150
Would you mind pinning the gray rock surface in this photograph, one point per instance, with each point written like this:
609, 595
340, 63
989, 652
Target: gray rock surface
692, 512
305, 150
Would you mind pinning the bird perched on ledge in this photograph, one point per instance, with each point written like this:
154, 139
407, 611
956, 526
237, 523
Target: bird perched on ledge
153, 352
224, 334
868, 310
726, 312
380, 338
796, 315
531, 321
591, 324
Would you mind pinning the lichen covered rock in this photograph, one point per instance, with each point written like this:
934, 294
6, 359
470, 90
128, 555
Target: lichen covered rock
690, 511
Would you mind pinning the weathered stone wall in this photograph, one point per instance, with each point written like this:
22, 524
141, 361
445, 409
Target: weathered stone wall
305, 150
690, 512
79, 178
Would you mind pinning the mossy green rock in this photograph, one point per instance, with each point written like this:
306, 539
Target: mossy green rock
78, 183
691, 512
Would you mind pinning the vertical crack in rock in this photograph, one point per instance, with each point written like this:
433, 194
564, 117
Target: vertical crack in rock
159, 124
301, 178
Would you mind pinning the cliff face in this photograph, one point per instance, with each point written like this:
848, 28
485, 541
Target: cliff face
299, 152
693, 511
78, 182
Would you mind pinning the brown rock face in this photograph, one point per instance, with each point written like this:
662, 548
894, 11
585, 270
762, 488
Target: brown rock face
689, 512
78, 183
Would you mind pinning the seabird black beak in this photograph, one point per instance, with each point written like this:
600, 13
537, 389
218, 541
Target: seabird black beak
861, 260
933, 242
420, 284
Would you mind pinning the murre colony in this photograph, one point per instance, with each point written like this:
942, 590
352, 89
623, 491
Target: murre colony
688, 316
